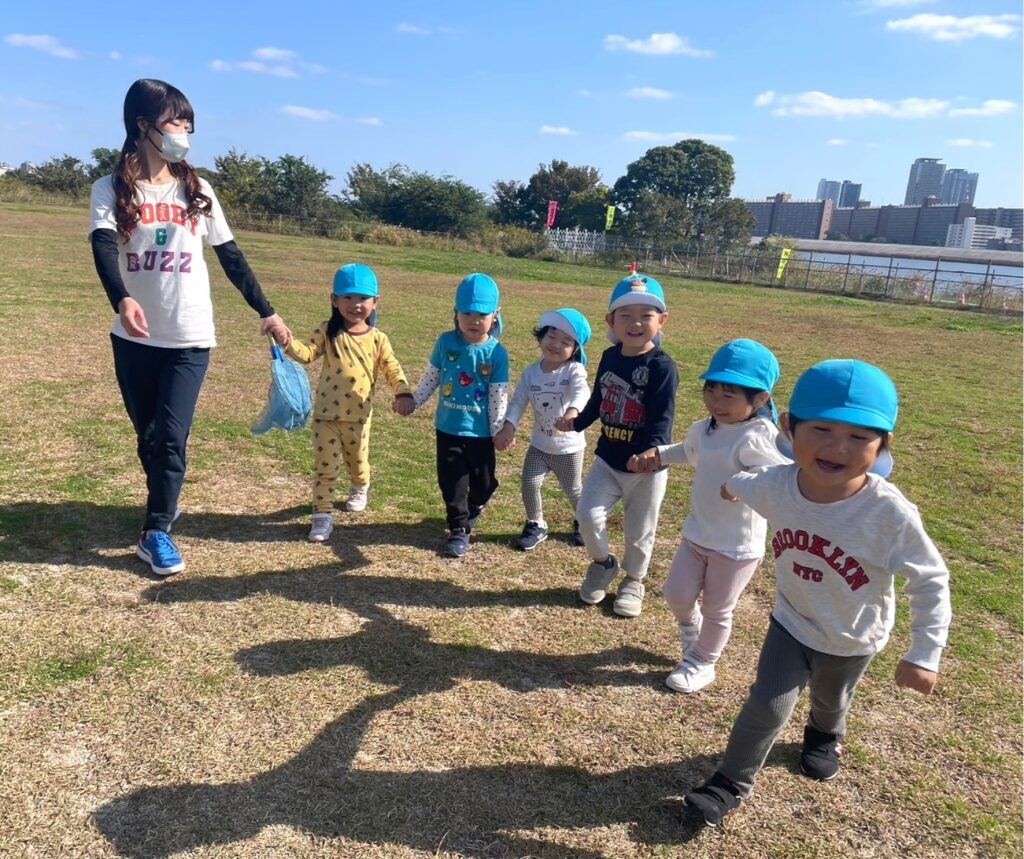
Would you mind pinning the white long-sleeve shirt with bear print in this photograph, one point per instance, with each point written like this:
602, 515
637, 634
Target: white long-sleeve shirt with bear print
551, 395
836, 565
732, 529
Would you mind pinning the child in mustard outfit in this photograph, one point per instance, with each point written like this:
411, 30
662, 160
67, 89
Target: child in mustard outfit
353, 349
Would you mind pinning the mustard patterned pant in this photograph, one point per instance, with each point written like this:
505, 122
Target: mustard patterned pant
335, 442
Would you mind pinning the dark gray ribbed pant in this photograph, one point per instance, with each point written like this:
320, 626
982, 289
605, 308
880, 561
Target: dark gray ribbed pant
785, 667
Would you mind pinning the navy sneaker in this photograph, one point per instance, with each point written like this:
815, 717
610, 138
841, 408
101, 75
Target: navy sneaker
533, 535
577, 537
714, 799
819, 758
158, 550
457, 543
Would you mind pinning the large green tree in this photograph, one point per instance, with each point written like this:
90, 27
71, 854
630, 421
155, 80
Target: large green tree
697, 177
65, 175
526, 204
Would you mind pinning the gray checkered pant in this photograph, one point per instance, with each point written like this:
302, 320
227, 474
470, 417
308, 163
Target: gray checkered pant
568, 468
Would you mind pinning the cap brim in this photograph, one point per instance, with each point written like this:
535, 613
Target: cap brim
883, 464
729, 377
637, 298
845, 415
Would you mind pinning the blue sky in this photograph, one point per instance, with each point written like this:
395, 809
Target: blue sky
796, 91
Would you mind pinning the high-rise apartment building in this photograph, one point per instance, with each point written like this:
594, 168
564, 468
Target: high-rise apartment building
925, 181
829, 189
959, 186
849, 194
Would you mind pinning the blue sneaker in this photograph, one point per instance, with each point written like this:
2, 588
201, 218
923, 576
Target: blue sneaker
457, 543
157, 549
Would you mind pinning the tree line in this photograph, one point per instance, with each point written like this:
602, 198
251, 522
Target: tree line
678, 194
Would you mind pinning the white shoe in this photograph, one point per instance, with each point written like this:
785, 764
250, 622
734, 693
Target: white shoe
629, 599
322, 528
357, 499
690, 676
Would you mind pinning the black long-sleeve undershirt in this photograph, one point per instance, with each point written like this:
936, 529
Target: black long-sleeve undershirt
105, 254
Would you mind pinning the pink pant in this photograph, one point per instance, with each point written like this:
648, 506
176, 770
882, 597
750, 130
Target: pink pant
696, 570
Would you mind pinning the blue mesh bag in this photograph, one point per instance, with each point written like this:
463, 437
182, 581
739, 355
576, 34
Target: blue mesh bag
289, 400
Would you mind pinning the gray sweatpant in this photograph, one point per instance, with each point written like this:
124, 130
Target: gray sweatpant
785, 667
641, 496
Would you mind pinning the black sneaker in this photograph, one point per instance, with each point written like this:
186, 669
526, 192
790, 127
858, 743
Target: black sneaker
533, 535
457, 543
819, 758
474, 516
577, 537
714, 799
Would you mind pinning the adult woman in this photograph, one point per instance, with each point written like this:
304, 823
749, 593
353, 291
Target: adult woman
149, 220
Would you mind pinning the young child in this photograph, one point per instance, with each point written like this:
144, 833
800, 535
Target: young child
842, 535
634, 398
723, 543
353, 349
557, 387
470, 367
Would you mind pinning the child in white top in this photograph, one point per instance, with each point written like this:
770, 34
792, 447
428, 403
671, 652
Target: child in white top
723, 543
842, 536
557, 387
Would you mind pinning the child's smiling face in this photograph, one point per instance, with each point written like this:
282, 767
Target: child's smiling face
355, 309
556, 347
834, 458
635, 326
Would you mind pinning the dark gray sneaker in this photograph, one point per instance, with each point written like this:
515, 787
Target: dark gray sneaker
714, 799
457, 543
533, 535
577, 537
819, 758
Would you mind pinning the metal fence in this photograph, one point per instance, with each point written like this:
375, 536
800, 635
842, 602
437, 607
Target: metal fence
991, 288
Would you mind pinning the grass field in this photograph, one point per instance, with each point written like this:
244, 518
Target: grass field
369, 698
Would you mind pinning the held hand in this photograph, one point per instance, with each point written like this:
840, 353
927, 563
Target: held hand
645, 462
505, 438
915, 677
564, 424
133, 320
726, 496
275, 327
404, 406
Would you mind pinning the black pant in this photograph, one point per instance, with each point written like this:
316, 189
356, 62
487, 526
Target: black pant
160, 388
465, 473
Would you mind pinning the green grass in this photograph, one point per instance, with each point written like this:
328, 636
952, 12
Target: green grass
368, 698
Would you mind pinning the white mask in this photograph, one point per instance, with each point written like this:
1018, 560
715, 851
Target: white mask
173, 147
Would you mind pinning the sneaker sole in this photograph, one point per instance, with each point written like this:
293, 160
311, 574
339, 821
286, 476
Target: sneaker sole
710, 824
319, 539
816, 777
160, 571
591, 600
683, 691
627, 612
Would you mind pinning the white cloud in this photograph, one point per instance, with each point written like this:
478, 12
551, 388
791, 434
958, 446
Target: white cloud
560, 130
276, 62
991, 107
949, 28
650, 92
837, 141
46, 44
765, 98
417, 30
893, 4
967, 141
816, 103
370, 120
115, 55
675, 136
660, 44
308, 113
273, 54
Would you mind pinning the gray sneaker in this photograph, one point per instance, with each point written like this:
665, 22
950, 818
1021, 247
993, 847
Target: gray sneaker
629, 601
598, 578
321, 527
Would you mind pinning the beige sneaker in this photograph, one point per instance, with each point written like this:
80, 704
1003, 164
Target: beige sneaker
629, 601
598, 578
357, 496
322, 527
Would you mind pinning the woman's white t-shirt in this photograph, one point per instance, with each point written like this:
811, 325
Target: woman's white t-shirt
162, 262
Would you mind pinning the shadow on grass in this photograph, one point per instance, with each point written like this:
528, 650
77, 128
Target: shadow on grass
479, 811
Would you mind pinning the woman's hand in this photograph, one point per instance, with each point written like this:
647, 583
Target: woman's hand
133, 320
275, 327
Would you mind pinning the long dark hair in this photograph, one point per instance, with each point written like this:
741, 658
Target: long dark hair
150, 100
